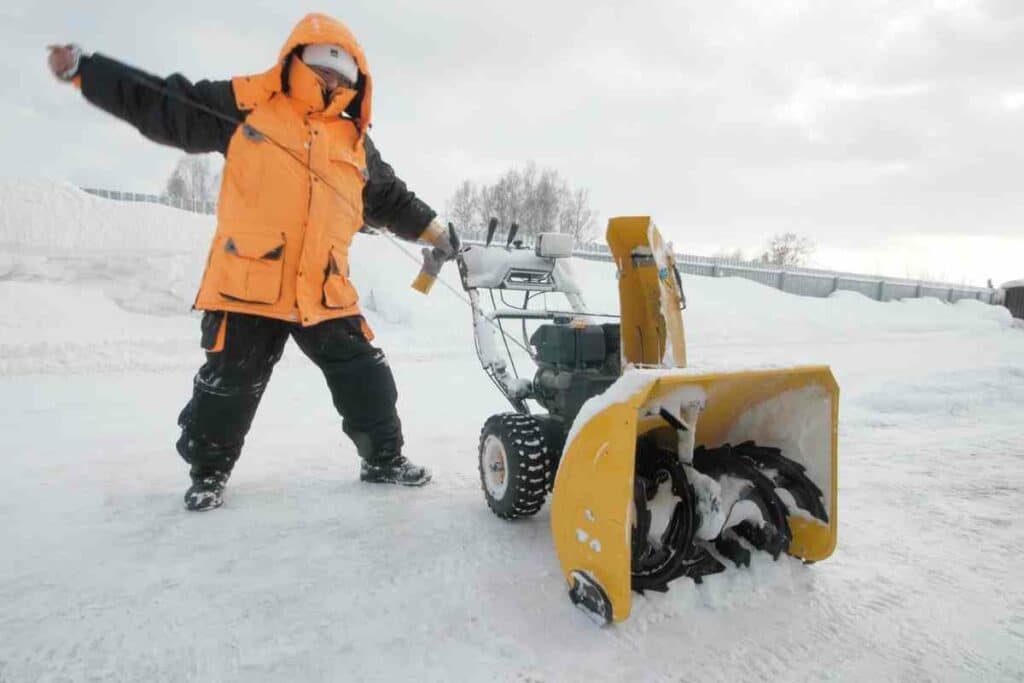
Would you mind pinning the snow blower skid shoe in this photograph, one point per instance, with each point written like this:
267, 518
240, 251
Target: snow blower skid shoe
674, 473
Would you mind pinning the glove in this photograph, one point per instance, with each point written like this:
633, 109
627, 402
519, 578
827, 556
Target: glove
64, 61
433, 259
445, 248
443, 239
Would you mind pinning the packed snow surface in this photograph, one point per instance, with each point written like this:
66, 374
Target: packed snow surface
306, 574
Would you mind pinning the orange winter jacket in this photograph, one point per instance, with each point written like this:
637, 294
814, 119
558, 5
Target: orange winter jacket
300, 176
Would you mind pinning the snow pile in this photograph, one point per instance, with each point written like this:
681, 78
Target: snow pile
81, 265
52, 216
148, 259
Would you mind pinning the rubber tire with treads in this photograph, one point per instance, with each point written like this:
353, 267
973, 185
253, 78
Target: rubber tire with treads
527, 462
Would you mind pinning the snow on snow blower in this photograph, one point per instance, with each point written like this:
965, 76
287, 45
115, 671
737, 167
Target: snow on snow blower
658, 472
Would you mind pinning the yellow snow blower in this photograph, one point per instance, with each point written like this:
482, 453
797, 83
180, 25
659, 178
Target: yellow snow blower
658, 472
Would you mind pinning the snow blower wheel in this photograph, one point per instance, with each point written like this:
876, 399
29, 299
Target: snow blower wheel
513, 465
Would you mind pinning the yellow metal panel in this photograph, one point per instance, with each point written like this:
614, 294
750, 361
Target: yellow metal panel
593, 494
728, 396
594, 486
648, 300
593, 500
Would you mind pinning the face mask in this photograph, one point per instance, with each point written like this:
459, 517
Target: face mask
341, 97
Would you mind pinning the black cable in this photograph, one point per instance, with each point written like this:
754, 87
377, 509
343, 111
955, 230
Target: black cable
526, 338
253, 130
490, 372
504, 302
504, 337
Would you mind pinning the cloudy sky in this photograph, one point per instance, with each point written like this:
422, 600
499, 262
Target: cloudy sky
887, 131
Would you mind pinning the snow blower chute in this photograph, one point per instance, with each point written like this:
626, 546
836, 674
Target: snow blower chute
658, 472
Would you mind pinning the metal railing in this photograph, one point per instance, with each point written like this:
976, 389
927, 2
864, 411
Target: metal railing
793, 280
193, 205
801, 281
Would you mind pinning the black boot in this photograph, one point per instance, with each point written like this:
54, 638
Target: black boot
207, 490
397, 470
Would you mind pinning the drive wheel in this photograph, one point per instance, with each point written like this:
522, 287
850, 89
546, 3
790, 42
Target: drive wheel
514, 463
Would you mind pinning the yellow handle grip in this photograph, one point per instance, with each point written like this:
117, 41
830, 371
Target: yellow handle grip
423, 282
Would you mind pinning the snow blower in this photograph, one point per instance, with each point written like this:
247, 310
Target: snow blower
658, 472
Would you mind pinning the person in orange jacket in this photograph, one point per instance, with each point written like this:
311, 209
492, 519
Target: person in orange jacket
301, 177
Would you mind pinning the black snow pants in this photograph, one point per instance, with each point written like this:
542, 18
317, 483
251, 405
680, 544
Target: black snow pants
228, 387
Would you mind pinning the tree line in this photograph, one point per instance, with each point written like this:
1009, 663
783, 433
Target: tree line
537, 199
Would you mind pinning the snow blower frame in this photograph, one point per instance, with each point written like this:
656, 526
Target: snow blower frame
575, 361
657, 471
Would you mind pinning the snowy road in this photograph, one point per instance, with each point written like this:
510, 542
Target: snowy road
306, 574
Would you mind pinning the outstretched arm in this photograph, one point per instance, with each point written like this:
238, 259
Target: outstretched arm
196, 117
388, 203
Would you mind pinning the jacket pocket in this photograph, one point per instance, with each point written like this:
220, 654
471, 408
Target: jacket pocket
338, 289
251, 267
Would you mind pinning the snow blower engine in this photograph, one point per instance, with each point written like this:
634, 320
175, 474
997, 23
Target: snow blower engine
658, 472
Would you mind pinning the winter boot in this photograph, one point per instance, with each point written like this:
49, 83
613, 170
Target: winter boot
207, 490
397, 470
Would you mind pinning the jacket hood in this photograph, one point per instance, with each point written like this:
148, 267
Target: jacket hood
320, 28
313, 28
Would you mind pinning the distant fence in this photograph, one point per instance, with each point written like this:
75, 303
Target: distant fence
793, 280
803, 281
195, 206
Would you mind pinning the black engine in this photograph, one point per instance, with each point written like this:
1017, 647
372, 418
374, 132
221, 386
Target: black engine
574, 363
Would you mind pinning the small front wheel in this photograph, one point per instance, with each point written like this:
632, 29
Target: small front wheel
514, 464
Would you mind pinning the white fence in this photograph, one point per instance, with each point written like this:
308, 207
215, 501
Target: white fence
803, 281
195, 206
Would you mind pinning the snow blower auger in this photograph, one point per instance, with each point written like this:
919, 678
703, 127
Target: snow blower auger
658, 472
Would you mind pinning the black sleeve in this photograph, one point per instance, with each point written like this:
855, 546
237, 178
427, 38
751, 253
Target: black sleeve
160, 107
388, 203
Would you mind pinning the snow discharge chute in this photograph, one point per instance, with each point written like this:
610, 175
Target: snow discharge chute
673, 472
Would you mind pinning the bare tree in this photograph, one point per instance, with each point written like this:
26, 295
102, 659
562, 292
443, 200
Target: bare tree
508, 196
577, 218
193, 179
547, 199
788, 249
539, 200
735, 255
462, 207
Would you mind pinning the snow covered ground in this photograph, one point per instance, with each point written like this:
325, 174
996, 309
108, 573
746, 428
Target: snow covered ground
307, 575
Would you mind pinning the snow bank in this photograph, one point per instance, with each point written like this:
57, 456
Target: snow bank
148, 260
40, 214
82, 270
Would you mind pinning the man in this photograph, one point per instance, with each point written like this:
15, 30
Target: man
300, 179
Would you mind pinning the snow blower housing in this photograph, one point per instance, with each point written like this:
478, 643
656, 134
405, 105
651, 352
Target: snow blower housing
658, 472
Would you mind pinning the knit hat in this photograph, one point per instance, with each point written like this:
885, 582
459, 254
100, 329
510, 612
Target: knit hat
331, 57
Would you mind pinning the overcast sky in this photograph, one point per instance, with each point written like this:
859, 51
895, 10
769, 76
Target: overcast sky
889, 132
